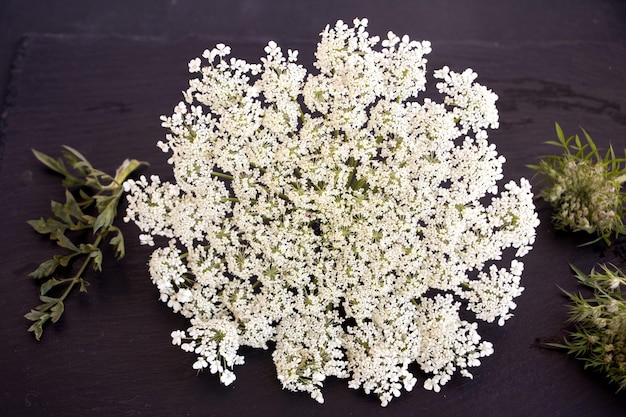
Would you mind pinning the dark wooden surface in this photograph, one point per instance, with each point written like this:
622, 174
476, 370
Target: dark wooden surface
111, 354
483, 20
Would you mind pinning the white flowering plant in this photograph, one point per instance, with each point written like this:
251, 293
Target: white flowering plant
335, 217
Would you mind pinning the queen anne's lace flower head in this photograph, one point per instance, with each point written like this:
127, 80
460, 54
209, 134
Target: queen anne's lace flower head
335, 215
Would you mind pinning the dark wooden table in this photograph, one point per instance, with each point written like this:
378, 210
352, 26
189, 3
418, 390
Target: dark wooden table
111, 354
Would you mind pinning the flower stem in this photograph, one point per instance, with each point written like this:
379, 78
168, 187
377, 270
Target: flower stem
222, 175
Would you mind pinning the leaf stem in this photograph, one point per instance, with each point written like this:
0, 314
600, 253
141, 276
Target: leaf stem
88, 260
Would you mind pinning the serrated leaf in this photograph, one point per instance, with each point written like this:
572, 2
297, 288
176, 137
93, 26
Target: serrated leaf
87, 223
40, 225
34, 315
65, 242
97, 259
37, 328
82, 165
89, 220
65, 260
58, 166
72, 182
86, 199
48, 285
118, 243
94, 182
46, 269
105, 218
45, 226
83, 285
87, 248
105, 200
54, 164
59, 211
57, 311
75, 158
71, 206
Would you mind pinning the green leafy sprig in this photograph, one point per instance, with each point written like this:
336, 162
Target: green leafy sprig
91, 201
599, 338
584, 187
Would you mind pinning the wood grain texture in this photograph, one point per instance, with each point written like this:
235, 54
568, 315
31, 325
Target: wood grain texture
111, 354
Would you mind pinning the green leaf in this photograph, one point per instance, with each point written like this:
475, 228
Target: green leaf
93, 181
34, 315
71, 206
37, 327
106, 217
559, 132
579, 144
48, 285
65, 260
554, 143
40, 225
46, 268
59, 210
85, 199
58, 166
57, 311
118, 243
48, 300
127, 168
75, 158
87, 248
72, 182
86, 223
65, 242
579, 274
54, 164
594, 149
96, 255
83, 285
45, 226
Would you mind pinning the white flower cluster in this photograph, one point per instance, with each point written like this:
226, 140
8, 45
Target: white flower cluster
335, 216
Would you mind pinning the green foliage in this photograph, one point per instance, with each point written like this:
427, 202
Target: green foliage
584, 187
91, 200
599, 337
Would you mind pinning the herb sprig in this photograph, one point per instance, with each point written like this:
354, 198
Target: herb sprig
91, 201
599, 337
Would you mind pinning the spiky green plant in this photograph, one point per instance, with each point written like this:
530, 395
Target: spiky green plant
584, 187
599, 334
